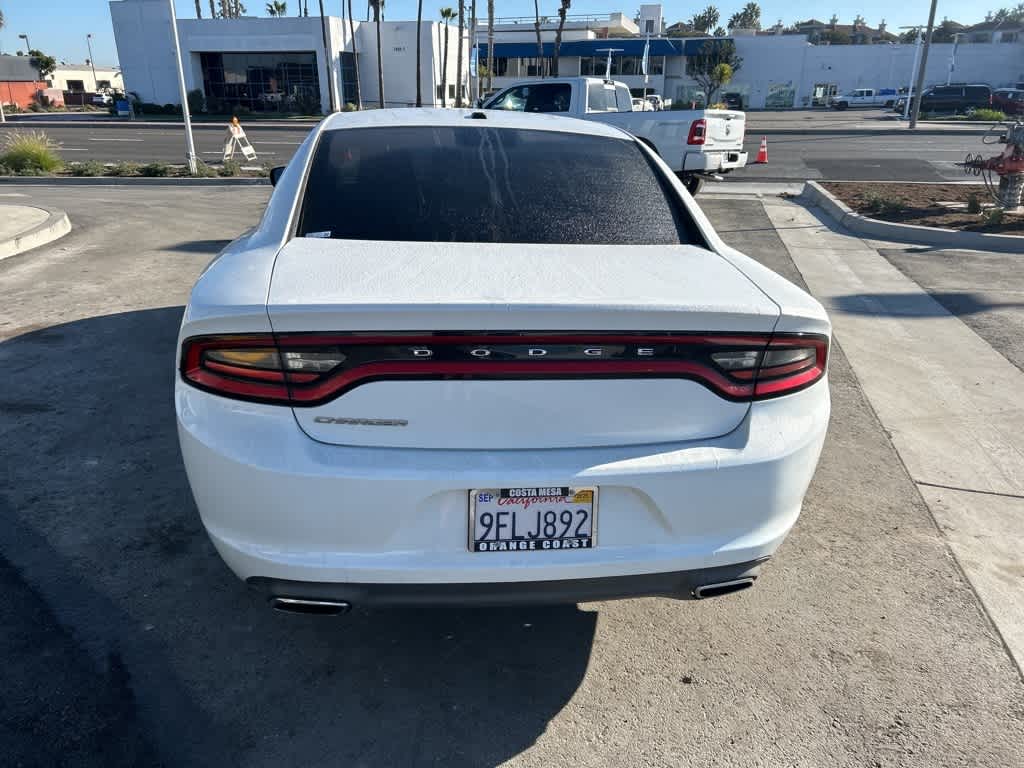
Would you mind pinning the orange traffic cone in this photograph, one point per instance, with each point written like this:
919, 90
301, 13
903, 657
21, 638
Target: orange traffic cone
762, 153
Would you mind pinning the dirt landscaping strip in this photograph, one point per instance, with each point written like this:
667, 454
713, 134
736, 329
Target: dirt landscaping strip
921, 204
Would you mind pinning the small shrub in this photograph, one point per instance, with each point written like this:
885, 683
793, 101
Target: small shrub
349, 107
264, 171
30, 153
155, 170
994, 217
987, 115
973, 203
231, 168
876, 203
5, 171
124, 169
204, 171
36, 107
88, 168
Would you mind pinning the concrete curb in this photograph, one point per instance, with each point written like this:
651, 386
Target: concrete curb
815, 194
56, 226
141, 181
901, 130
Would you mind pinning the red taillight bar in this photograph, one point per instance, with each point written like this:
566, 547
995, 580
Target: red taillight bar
698, 131
365, 358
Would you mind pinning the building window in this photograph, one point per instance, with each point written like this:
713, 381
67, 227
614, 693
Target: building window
1008, 37
76, 86
263, 82
503, 65
102, 85
595, 66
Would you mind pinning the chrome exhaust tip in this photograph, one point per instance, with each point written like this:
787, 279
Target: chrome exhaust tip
722, 588
310, 607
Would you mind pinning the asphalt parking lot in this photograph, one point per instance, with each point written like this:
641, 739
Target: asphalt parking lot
128, 642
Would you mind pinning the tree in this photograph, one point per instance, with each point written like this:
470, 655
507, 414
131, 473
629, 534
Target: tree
378, 6
230, 9
277, 8
419, 65
747, 18
490, 44
714, 66
835, 37
447, 14
540, 45
706, 19
563, 9
458, 58
45, 64
199, 9
355, 56
719, 32
213, 11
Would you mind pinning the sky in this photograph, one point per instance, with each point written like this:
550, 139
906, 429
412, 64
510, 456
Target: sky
59, 27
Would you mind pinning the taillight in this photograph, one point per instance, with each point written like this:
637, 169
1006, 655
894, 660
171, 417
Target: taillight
698, 131
305, 369
787, 364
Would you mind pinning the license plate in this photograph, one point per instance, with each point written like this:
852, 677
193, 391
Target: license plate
532, 519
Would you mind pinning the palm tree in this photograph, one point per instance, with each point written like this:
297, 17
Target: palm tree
447, 14
458, 58
199, 10
540, 45
277, 8
213, 11
419, 64
490, 44
563, 9
378, 6
355, 56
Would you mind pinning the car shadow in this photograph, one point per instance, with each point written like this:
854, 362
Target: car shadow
101, 525
199, 246
918, 304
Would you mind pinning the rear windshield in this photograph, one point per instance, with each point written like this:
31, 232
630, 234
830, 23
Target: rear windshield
492, 185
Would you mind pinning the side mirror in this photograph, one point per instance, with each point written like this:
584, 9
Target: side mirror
275, 173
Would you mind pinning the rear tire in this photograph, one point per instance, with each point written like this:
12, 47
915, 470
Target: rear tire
693, 183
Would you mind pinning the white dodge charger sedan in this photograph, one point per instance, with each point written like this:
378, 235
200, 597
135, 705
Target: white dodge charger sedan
485, 357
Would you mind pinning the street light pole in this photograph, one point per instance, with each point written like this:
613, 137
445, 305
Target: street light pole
190, 154
28, 45
924, 66
952, 57
913, 72
92, 62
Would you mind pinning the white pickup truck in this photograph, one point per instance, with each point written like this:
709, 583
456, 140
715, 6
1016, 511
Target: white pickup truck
695, 143
865, 97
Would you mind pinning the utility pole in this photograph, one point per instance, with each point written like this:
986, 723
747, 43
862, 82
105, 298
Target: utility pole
913, 72
92, 63
190, 153
924, 66
328, 60
952, 57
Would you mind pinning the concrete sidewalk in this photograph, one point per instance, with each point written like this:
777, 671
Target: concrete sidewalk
950, 401
23, 227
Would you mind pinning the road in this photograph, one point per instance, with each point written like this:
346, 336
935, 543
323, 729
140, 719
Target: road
857, 155
127, 642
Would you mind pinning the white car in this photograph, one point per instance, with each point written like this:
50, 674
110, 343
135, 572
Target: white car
485, 357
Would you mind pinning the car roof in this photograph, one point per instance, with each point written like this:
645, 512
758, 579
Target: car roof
495, 118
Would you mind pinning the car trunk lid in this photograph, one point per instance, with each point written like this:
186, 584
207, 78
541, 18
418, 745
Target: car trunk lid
530, 304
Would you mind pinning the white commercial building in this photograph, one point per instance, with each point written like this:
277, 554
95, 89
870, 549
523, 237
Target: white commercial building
279, 64
777, 71
78, 78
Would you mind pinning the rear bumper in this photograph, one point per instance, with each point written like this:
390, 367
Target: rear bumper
281, 506
711, 162
680, 585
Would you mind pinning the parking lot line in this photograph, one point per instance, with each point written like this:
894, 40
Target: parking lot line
952, 409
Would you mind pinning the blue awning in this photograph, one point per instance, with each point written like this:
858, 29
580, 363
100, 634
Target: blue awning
627, 47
